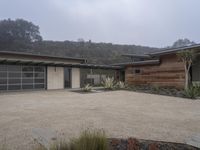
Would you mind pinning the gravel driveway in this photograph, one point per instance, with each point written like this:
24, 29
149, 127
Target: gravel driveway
119, 113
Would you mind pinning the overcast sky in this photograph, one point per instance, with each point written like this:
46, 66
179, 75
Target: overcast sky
155, 23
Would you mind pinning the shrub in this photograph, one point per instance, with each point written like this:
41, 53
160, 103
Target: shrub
120, 85
88, 140
109, 83
156, 89
62, 145
87, 88
197, 87
192, 92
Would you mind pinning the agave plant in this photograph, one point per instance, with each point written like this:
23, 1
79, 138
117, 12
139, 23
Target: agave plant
121, 85
109, 83
87, 88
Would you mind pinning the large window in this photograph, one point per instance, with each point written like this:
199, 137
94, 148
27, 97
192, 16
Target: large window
18, 77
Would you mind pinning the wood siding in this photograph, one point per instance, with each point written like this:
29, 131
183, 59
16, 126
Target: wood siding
169, 73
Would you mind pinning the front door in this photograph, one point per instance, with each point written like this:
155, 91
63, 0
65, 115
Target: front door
67, 77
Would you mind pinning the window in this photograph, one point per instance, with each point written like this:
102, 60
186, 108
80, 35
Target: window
137, 71
3, 68
3, 74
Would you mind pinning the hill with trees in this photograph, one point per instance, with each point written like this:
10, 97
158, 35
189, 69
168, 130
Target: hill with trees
23, 36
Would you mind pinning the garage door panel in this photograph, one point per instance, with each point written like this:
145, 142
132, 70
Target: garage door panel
18, 77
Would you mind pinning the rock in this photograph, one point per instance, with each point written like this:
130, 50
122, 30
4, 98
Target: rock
133, 144
153, 146
45, 137
194, 140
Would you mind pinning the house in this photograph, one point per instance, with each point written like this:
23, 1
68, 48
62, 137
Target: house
22, 71
162, 68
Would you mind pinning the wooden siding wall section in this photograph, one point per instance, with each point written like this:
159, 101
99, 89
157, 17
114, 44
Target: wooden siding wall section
169, 73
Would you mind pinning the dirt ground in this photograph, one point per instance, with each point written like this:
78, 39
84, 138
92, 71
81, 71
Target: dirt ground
119, 113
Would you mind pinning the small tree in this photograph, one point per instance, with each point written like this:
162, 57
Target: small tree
187, 58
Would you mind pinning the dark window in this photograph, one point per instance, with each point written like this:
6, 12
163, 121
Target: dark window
3, 87
27, 69
3, 81
39, 86
14, 87
14, 75
3, 68
137, 71
39, 69
3, 74
14, 68
27, 81
67, 77
14, 81
39, 75
27, 75
39, 80
29, 86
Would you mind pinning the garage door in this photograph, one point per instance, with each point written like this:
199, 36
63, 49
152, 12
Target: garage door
18, 77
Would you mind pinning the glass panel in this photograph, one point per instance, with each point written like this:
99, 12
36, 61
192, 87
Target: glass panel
39, 69
39, 75
3, 87
27, 69
67, 77
3, 68
27, 81
29, 86
39, 86
14, 81
14, 68
39, 80
14, 87
14, 75
27, 75
3, 81
3, 74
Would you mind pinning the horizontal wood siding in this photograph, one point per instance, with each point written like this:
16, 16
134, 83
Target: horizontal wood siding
169, 73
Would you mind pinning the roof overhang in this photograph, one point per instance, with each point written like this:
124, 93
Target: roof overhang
28, 55
89, 66
140, 63
137, 56
174, 50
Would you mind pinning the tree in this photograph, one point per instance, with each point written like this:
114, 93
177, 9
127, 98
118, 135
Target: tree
182, 42
187, 58
18, 33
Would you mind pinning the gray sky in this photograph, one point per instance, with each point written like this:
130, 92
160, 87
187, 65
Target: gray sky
155, 23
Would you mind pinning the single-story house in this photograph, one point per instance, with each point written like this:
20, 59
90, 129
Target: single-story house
162, 68
23, 71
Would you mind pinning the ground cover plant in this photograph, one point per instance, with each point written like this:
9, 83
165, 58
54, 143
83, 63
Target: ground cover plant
192, 92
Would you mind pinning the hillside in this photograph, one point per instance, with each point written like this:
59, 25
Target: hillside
97, 53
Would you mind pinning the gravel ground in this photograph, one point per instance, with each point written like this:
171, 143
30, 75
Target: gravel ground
121, 114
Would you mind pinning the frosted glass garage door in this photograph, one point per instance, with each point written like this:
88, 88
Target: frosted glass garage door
18, 77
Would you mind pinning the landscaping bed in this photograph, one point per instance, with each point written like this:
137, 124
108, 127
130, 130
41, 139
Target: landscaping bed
158, 90
135, 144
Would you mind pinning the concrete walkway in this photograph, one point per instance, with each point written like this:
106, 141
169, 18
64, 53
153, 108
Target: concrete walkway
119, 113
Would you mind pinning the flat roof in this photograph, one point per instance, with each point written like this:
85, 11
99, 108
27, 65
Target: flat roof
137, 55
139, 63
173, 50
40, 56
83, 65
